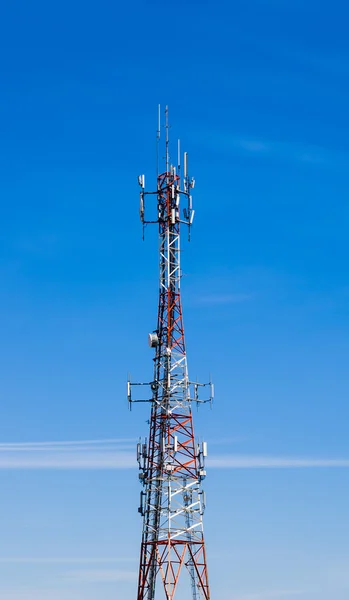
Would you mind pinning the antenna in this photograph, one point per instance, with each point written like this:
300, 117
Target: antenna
158, 132
167, 140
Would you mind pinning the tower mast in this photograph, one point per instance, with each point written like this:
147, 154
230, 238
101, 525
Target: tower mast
171, 464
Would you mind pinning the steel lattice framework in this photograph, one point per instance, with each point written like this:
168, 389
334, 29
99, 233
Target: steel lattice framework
171, 463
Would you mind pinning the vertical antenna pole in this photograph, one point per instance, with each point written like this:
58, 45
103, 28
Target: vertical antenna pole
179, 156
167, 141
158, 142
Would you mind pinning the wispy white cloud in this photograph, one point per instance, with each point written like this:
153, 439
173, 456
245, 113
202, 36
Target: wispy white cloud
40, 593
74, 593
221, 298
74, 579
291, 151
100, 576
103, 442
65, 460
30, 560
273, 462
254, 146
228, 441
85, 454
120, 454
275, 595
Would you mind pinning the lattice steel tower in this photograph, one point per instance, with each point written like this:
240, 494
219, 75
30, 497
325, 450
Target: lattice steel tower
171, 464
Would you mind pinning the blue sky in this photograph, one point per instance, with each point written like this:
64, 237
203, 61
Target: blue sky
258, 93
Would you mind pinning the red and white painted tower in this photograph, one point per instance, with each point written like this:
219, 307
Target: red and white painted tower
171, 463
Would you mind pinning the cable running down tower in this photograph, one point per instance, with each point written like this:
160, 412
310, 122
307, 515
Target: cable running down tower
171, 463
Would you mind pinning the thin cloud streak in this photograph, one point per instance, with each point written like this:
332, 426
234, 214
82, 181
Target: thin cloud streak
83, 460
103, 442
269, 595
84, 454
101, 454
41, 593
61, 450
213, 299
28, 560
254, 146
301, 153
100, 576
274, 462
227, 441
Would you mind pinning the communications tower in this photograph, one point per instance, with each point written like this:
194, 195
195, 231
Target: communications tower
171, 463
